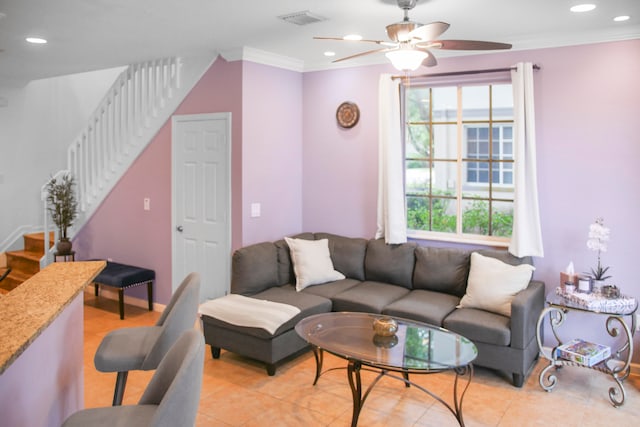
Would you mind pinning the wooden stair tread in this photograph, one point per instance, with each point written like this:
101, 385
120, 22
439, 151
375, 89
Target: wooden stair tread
30, 255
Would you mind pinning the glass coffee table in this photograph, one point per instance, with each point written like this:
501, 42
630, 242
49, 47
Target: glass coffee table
416, 348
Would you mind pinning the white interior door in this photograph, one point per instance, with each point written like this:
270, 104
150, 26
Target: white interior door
201, 197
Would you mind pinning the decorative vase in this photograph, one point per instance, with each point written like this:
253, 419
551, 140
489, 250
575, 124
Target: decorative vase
385, 326
63, 246
597, 286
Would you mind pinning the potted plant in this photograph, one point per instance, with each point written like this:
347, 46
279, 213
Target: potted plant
598, 238
63, 208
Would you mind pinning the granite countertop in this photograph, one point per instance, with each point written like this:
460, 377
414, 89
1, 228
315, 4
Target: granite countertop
27, 310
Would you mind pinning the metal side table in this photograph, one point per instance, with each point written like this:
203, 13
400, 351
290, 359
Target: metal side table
617, 366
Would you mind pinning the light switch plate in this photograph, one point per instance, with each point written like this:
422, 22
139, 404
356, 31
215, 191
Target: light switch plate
255, 210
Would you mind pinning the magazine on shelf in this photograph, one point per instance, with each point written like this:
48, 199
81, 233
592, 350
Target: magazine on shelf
583, 352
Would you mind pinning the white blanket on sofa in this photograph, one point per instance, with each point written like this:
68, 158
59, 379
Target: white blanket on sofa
250, 312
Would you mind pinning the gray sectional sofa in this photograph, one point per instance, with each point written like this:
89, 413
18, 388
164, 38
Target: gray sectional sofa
406, 280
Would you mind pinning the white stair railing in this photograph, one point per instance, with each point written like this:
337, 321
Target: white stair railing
114, 129
116, 134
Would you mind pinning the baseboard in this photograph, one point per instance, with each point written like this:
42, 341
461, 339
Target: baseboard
136, 302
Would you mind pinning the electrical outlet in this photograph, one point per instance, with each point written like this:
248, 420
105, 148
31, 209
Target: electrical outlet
147, 204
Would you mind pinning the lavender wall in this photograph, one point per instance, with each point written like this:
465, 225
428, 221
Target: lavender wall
266, 168
121, 230
271, 152
45, 384
586, 108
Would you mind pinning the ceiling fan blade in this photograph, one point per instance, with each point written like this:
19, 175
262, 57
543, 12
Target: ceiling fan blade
468, 45
362, 40
429, 32
429, 61
368, 52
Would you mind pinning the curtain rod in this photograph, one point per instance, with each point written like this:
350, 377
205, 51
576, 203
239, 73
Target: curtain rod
462, 73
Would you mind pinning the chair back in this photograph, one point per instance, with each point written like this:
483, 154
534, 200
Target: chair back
179, 316
176, 385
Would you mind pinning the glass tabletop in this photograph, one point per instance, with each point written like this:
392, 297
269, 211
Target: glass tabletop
593, 303
416, 346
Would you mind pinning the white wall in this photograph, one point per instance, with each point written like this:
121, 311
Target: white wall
38, 123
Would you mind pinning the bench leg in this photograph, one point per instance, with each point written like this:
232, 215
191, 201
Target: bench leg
150, 294
121, 302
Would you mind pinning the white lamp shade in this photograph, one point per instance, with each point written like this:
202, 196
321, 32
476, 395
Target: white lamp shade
406, 59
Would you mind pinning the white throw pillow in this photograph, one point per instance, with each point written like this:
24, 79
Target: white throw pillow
492, 284
312, 262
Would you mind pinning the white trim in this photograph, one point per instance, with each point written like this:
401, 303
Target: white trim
12, 242
263, 57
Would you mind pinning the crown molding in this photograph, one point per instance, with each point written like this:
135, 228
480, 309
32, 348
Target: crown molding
263, 57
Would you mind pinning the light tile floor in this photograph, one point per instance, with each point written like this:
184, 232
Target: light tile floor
238, 392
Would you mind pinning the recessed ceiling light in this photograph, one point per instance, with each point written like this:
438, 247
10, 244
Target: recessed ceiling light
621, 18
329, 53
583, 7
36, 40
353, 37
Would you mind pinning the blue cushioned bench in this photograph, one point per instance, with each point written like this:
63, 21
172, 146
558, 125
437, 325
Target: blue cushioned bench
124, 276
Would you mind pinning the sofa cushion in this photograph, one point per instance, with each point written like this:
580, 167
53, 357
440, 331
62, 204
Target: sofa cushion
312, 262
285, 266
368, 297
493, 284
347, 254
307, 303
254, 268
480, 326
390, 263
441, 270
423, 306
329, 290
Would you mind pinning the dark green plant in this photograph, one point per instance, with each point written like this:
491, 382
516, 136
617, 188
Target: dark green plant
61, 203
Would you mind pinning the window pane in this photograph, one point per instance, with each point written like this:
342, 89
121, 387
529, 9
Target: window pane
418, 141
475, 103
475, 217
445, 139
417, 176
502, 101
417, 104
444, 177
418, 213
445, 104
444, 215
502, 219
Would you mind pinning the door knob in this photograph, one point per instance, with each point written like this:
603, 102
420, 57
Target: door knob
179, 228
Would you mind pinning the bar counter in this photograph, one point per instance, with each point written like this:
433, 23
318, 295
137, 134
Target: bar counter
29, 309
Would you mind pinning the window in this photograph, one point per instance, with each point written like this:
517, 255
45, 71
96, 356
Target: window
459, 161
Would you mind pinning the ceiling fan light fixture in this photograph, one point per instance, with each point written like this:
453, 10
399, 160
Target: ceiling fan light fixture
406, 59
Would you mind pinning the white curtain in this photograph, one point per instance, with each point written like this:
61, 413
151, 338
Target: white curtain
392, 224
526, 239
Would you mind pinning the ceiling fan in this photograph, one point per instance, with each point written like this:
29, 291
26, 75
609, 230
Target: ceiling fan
411, 42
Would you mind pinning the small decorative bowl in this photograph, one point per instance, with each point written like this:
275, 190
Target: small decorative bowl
611, 291
385, 326
384, 341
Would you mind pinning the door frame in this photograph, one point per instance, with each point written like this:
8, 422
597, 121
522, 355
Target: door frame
176, 118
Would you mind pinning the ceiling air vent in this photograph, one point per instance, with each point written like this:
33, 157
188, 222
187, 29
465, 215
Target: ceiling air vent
301, 18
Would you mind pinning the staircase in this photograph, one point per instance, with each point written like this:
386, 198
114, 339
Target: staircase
24, 263
134, 109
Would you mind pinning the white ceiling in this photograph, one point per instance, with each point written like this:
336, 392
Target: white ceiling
95, 34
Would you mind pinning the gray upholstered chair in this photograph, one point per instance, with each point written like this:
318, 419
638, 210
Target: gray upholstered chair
142, 348
171, 398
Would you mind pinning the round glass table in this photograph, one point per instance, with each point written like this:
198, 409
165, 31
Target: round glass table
415, 348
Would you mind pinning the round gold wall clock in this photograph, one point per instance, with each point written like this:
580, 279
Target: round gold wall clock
347, 114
